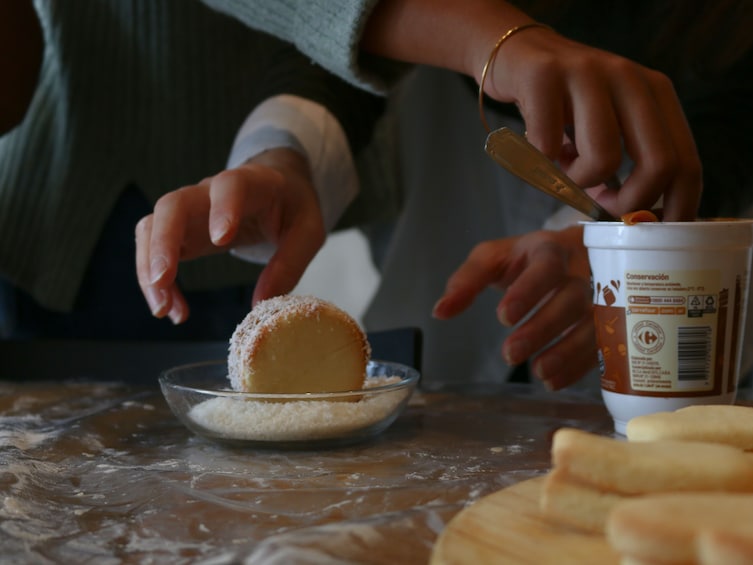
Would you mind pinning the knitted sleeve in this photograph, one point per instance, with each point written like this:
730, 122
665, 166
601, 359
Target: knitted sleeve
286, 71
328, 31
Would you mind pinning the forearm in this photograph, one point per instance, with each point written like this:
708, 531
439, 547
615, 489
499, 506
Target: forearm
457, 35
20, 59
327, 31
312, 130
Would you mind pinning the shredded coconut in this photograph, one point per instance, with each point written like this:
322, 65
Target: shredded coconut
239, 419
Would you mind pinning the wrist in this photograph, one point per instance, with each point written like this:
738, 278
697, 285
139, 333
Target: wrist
481, 50
492, 57
289, 162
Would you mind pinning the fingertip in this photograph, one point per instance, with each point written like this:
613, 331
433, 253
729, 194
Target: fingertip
451, 303
177, 315
266, 287
219, 230
439, 310
550, 386
157, 269
550, 383
258, 296
143, 226
510, 313
516, 350
178, 307
157, 300
503, 317
548, 369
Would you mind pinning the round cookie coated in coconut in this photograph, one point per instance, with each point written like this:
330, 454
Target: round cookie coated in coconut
297, 344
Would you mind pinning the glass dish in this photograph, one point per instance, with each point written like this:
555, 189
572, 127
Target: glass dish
199, 395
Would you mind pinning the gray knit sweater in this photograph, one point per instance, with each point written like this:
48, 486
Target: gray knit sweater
151, 93
326, 30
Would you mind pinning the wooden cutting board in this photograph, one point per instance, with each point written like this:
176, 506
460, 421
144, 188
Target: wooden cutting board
508, 527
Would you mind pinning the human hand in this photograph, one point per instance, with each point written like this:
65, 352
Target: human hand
268, 199
544, 275
613, 105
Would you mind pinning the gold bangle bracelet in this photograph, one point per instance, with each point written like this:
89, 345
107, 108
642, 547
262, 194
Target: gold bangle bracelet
504, 37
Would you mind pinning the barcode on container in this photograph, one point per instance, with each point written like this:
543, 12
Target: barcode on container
693, 353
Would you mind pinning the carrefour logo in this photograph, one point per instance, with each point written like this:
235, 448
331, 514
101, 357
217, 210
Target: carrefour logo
648, 337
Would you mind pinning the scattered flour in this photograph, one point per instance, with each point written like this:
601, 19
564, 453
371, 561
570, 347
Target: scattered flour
239, 419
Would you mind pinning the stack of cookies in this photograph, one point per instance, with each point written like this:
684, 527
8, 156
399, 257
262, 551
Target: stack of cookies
680, 490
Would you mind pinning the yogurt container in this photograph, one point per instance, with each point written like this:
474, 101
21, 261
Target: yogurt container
670, 301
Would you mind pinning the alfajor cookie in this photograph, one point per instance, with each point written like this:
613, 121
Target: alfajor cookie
297, 344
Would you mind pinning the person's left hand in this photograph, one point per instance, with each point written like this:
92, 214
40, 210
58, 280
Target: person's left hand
545, 277
269, 199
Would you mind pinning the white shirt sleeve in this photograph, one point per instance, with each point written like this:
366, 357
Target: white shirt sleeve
308, 127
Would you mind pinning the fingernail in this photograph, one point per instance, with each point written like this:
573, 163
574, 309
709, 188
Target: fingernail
549, 386
176, 315
157, 269
436, 312
157, 300
510, 313
516, 352
547, 369
219, 229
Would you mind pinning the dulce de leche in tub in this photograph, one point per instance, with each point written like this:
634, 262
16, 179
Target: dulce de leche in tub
670, 301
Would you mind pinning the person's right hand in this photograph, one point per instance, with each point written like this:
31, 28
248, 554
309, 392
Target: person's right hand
268, 199
613, 104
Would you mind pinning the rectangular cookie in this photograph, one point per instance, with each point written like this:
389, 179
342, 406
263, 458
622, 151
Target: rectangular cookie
667, 528
576, 504
611, 465
714, 423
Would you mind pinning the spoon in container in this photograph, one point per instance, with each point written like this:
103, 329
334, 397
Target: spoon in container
522, 159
